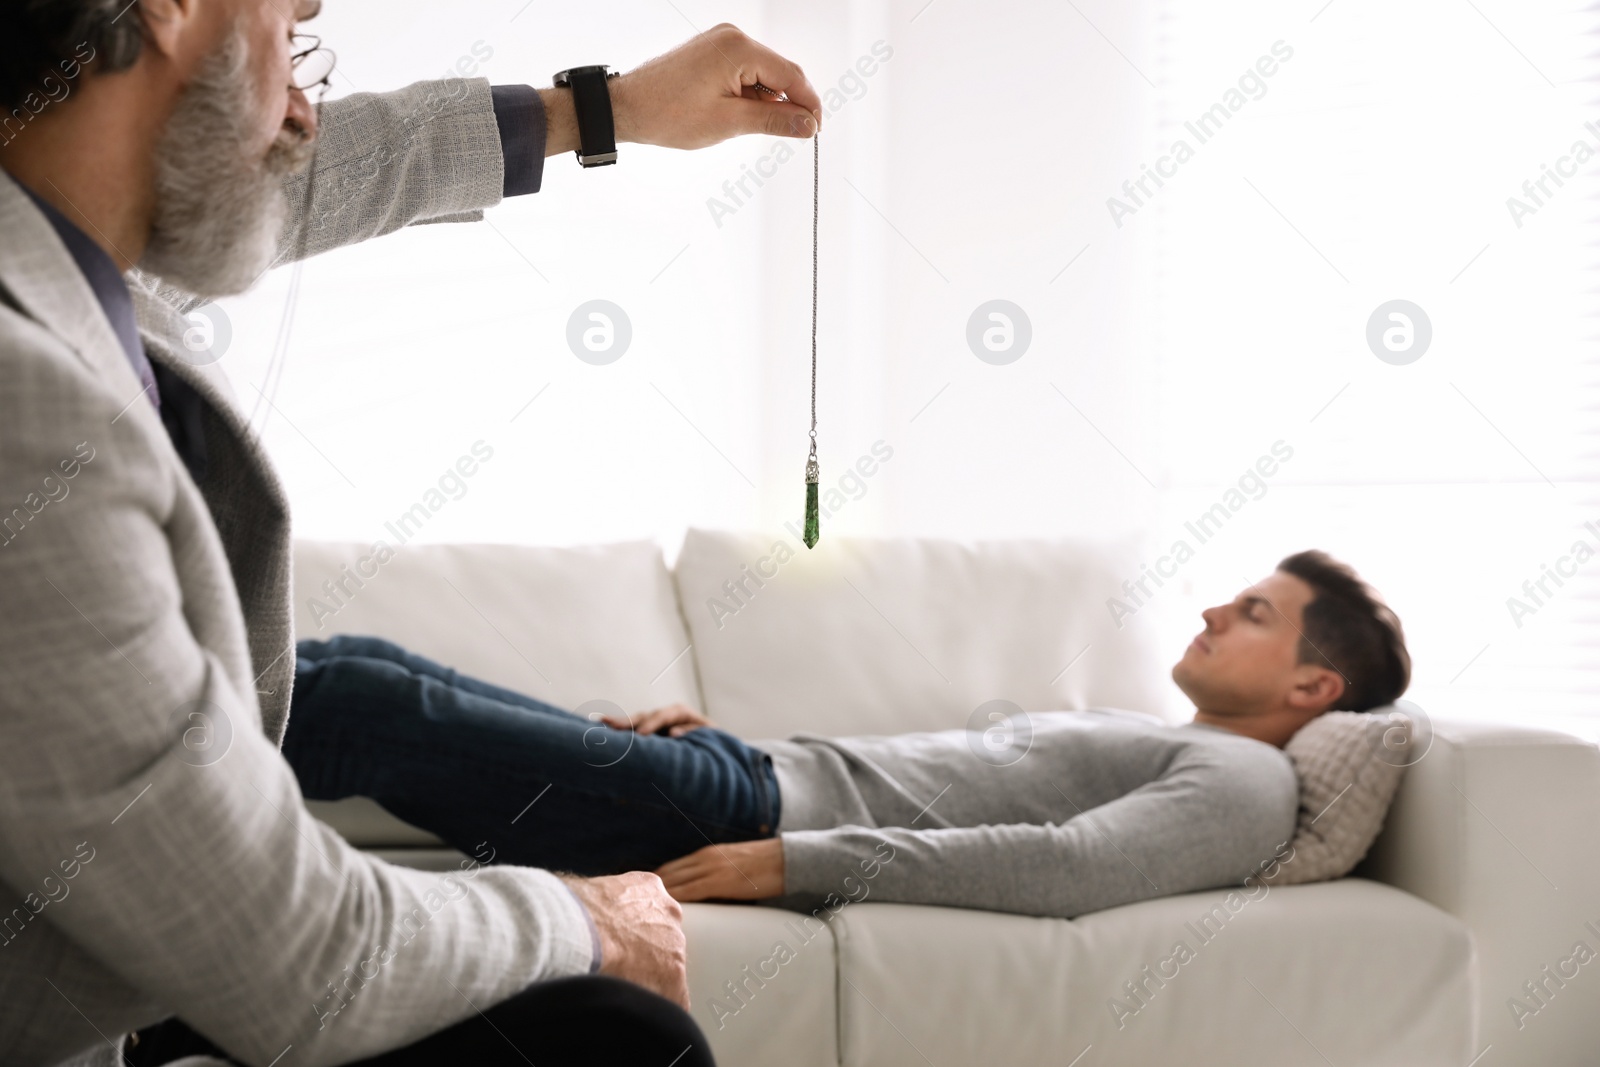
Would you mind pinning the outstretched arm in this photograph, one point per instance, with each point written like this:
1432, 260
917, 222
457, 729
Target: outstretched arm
444, 151
430, 152
1196, 828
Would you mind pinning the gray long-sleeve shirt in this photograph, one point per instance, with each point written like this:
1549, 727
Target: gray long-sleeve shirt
1105, 808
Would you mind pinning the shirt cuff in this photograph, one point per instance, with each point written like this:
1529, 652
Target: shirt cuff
594, 931
519, 113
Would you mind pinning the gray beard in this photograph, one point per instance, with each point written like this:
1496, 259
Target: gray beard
218, 212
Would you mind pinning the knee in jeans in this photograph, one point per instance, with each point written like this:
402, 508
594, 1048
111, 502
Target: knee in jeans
344, 687
356, 645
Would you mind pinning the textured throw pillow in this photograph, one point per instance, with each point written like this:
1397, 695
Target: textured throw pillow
1349, 764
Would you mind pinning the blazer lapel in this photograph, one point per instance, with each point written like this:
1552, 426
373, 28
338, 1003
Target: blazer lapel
247, 502
161, 327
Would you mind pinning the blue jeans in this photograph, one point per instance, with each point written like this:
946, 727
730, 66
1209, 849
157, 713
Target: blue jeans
480, 766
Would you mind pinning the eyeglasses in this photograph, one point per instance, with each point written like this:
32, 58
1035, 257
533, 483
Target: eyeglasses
311, 64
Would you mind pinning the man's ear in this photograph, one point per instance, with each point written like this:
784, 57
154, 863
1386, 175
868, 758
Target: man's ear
1315, 688
165, 22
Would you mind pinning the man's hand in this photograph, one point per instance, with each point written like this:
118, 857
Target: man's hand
745, 870
641, 931
702, 92
674, 720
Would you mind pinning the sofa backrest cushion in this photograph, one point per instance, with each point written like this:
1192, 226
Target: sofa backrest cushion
565, 625
882, 636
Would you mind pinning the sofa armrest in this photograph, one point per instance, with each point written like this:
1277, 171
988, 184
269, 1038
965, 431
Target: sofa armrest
1499, 825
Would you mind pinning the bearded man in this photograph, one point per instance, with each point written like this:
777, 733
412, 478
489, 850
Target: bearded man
159, 873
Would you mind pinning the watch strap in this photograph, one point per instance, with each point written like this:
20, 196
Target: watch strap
591, 103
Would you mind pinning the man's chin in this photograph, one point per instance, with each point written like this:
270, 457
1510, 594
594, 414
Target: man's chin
217, 259
1189, 681
230, 280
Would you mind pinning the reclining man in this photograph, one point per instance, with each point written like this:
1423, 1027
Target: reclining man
1105, 808
156, 857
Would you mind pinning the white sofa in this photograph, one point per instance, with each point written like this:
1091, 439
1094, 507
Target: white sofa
1486, 873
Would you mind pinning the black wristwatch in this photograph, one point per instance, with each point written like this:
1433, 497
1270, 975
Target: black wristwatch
591, 101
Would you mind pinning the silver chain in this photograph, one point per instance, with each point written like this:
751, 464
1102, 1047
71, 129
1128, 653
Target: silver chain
816, 199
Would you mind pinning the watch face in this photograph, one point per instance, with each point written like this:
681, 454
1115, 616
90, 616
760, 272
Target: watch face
564, 77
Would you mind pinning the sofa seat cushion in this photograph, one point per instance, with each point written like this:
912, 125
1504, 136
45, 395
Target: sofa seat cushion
762, 984
1345, 972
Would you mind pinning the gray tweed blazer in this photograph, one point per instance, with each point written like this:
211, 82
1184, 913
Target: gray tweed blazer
156, 857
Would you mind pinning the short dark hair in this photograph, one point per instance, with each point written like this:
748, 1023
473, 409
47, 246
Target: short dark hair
1349, 629
47, 42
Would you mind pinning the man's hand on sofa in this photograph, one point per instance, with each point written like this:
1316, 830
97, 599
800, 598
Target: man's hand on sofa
674, 720
701, 93
641, 931
742, 870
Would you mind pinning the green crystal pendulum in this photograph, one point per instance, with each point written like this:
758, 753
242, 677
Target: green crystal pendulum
811, 503
813, 522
